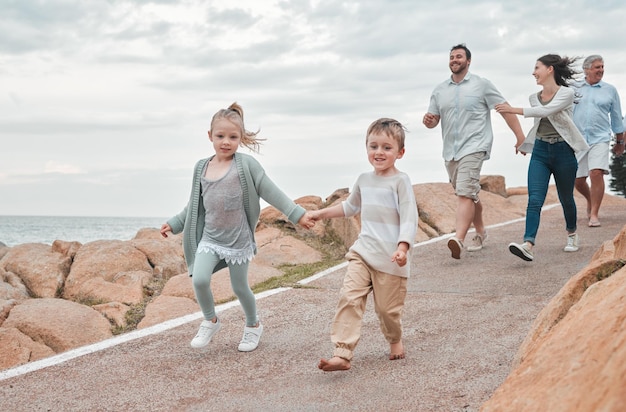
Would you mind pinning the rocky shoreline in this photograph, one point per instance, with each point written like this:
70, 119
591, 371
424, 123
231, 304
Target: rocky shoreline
61, 296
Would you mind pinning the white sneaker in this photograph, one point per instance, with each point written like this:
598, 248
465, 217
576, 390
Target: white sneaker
572, 243
477, 242
251, 337
522, 251
207, 330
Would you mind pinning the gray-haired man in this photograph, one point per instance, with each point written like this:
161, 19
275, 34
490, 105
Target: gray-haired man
598, 115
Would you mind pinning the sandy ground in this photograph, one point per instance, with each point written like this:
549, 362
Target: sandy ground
463, 324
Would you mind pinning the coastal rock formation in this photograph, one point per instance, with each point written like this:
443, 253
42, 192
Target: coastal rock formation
43, 276
574, 357
106, 287
57, 323
61, 296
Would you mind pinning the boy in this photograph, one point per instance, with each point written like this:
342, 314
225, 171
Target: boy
379, 260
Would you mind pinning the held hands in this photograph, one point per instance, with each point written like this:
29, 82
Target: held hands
308, 220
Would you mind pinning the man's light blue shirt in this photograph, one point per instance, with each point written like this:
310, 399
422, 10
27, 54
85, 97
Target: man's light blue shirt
465, 111
597, 112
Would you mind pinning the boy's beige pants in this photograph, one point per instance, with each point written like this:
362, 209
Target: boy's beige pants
389, 292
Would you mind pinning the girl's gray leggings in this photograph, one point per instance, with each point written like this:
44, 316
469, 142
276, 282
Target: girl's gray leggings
203, 271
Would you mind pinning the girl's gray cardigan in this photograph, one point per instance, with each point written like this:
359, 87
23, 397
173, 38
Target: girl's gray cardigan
255, 185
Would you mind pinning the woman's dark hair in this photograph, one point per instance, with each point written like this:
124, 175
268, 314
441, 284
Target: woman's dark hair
564, 73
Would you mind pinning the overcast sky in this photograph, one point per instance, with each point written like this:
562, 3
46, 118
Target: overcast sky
105, 104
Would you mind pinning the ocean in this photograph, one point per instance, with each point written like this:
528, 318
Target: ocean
15, 230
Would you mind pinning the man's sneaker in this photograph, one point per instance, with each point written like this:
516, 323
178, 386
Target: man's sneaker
477, 242
455, 246
521, 251
572, 243
251, 337
207, 330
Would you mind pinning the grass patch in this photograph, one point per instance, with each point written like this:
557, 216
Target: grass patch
292, 274
606, 270
90, 300
138, 311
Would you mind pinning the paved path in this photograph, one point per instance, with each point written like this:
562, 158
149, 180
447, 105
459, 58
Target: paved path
464, 321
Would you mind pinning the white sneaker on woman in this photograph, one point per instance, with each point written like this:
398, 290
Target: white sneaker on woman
522, 251
572, 243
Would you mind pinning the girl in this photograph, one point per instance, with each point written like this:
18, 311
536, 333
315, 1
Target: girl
553, 141
220, 218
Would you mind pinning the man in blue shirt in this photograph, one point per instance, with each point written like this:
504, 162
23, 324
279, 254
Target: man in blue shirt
463, 103
598, 115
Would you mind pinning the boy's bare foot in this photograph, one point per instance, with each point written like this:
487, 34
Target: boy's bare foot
396, 351
334, 364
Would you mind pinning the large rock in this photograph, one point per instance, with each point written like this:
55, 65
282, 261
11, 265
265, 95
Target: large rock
106, 262
494, 184
12, 287
5, 308
573, 358
42, 270
179, 286
125, 287
115, 312
59, 324
166, 257
18, 349
165, 308
275, 249
4, 249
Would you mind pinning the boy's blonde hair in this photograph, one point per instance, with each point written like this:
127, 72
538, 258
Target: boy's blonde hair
234, 114
389, 127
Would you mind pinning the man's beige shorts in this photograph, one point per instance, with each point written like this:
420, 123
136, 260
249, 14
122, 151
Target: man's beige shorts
464, 174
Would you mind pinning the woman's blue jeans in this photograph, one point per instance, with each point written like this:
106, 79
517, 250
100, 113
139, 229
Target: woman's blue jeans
555, 159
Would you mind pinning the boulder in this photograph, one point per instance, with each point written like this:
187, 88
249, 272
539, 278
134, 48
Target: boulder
179, 286
17, 349
165, 308
59, 324
65, 248
125, 287
3, 249
275, 249
115, 312
42, 270
579, 364
166, 257
12, 287
105, 261
493, 184
5, 308
574, 355
310, 202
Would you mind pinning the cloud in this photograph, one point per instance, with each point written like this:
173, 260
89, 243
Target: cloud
119, 94
61, 168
